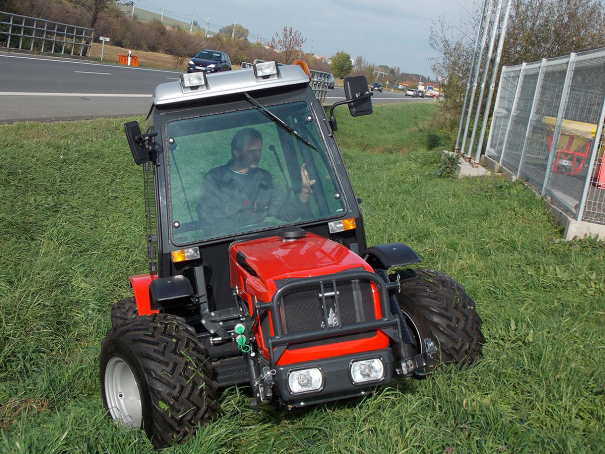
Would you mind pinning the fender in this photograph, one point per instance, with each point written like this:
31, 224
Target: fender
385, 256
140, 285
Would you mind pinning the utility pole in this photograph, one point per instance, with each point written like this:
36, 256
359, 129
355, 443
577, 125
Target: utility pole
133, 2
207, 27
191, 28
233, 31
162, 19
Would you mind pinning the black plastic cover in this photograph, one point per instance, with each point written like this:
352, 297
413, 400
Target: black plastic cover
385, 256
355, 87
166, 291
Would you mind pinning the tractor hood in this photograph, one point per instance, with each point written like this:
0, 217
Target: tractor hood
256, 265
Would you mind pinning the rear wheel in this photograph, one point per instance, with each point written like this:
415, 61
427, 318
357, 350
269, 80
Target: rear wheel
437, 307
155, 376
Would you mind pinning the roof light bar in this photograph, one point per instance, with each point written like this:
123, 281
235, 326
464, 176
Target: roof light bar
265, 69
191, 80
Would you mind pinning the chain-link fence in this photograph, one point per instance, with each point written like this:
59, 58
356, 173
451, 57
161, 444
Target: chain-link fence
547, 128
39, 35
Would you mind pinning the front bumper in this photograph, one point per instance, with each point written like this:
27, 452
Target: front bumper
337, 381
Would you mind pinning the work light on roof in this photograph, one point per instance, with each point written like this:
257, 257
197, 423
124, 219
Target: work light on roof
265, 69
193, 80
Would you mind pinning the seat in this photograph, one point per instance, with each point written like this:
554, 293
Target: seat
574, 144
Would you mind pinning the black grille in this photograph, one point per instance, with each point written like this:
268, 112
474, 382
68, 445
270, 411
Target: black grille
326, 305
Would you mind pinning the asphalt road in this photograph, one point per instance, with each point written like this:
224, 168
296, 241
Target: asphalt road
35, 88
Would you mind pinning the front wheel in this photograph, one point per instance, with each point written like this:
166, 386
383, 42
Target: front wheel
437, 307
155, 375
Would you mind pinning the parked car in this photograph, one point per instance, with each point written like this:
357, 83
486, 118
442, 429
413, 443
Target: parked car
410, 92
377, 86
331, 81
209, 61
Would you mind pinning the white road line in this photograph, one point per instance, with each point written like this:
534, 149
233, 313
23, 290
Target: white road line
79, 62
76, 95
92, 72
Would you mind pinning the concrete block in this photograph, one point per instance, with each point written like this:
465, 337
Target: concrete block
466, 169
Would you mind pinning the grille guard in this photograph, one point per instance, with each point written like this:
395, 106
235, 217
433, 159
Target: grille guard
279, 342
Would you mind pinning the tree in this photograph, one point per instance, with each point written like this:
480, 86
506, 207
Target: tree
288, 44
341, 64
537, 29
235, 31
95, 7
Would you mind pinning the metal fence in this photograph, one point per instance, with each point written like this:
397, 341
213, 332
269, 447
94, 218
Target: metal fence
547, 127
39, 35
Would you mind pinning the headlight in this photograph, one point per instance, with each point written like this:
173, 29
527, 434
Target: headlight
367, 370
305, 380
211, 66
191, 62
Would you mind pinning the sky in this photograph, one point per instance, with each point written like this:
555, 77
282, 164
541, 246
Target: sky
387, 32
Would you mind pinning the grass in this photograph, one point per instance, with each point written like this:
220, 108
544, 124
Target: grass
73, 230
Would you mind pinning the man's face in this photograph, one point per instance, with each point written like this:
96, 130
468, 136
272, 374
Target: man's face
250, 155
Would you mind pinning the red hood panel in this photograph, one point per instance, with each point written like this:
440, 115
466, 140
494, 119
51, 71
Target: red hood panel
274, 257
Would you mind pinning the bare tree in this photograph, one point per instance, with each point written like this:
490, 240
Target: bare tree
289, 44
537, 29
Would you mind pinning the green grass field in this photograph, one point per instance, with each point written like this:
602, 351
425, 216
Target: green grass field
72, 231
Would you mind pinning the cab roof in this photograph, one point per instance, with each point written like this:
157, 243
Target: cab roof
227, 83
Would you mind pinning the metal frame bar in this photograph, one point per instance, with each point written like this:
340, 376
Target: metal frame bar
532, 113
29, 28
557, 132
488, 59
512, 110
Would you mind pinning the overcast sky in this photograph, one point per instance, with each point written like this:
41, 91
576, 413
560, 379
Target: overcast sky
389, 32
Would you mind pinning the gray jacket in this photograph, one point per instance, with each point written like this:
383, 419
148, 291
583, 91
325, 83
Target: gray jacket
221, 208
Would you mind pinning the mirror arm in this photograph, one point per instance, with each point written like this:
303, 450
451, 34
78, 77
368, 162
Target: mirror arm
148, 143
360, 96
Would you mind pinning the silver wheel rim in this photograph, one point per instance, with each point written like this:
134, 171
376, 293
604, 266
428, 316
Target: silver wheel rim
122, 393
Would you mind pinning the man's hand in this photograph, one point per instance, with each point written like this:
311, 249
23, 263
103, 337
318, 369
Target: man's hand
307, 184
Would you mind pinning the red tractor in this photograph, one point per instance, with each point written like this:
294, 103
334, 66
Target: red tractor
259, 271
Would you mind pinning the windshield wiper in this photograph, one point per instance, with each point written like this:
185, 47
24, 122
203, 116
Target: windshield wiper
280, 122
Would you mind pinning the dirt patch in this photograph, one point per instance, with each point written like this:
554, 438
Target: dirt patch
146, 59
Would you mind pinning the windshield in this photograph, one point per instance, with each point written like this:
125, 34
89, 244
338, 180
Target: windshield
242, 171
209, 55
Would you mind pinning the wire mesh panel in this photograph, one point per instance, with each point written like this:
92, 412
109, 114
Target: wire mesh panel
509, 82
575, 149
545, 105
511, 154
556, 114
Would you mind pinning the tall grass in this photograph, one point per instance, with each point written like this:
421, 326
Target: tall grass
72, 231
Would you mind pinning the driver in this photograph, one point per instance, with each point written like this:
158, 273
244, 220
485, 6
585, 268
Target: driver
240, 193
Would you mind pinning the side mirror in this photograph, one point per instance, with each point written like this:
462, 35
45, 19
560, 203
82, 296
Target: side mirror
137, 142
356, 90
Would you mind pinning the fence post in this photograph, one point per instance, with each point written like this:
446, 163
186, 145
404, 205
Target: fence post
470, 109
512, 110
492, 84
532, 113
470, 76
488, 59
557, 132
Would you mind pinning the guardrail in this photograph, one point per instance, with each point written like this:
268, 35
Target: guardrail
40, 35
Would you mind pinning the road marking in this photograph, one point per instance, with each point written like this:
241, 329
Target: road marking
76, 95
91, 72
78, 62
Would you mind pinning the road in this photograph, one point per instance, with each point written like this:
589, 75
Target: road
36, 88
